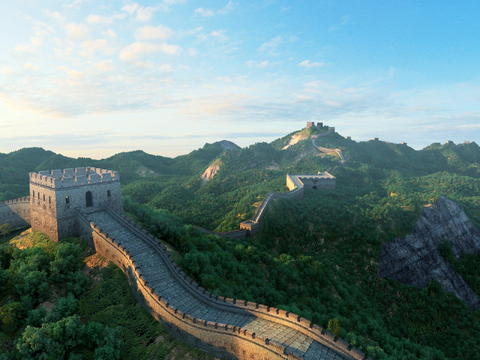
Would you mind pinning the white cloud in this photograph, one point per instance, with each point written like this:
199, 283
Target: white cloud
109, 33
307, 64
204, 12
145, 14
90, 47
166, 68
56, 15
174, 2
35, 41
259, 64
97, 19
29, 66
209, 12
192, 52
271, 45
104, 65
153, 32
77, 31
170, 49
7, 70
130, 8
28, 48
133, 51
344, 19
227, 8
73, 74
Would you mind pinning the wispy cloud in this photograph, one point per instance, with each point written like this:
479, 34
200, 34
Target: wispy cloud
307, 64
153, 32
136, 50
210, 12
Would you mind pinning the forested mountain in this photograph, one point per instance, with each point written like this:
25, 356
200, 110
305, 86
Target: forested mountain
316, 257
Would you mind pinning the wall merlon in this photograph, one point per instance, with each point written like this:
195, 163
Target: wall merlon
211, 325
305, 322
277, 346
342, 344
328, 335
251, 305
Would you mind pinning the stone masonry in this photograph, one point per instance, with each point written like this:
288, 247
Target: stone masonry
54, 196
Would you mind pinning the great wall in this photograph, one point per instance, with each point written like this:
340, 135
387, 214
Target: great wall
296, 184
84, 202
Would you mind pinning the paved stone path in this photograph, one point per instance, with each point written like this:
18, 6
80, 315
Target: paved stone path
160, 278
294, 340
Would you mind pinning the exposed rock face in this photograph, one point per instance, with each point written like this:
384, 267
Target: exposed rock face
210, 172
416, 259
228, 145
296, 138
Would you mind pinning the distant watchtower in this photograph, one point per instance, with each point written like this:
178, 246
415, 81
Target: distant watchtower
55, 195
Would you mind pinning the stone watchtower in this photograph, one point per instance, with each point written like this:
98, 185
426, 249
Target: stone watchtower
55, 195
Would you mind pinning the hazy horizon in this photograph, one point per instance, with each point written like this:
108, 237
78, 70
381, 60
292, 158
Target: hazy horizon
93, 78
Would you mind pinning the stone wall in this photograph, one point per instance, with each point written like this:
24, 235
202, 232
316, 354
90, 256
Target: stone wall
16, 212
234, 234
296, 184
221, 340
311, 182
54, 196
218, 339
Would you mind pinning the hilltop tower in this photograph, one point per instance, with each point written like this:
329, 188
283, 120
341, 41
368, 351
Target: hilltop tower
56, 195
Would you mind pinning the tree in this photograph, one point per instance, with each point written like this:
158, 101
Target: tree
334, 326
5, 230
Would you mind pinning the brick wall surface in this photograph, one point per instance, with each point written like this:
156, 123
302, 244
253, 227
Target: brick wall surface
16, 212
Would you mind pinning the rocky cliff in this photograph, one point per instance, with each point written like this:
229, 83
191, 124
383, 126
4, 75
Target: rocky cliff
416, 259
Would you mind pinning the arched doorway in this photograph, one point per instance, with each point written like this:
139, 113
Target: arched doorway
314, 187
89, 198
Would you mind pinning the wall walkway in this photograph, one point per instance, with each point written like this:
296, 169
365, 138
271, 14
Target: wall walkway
223, 327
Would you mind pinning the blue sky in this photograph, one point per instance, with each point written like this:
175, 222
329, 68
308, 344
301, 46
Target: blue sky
92, 78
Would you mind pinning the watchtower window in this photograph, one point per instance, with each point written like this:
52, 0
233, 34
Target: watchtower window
89, 199
109, 193
43, 197
38, 196
67, 200
49, 199
33, 194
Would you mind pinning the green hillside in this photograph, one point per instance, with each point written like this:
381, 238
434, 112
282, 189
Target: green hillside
315, 257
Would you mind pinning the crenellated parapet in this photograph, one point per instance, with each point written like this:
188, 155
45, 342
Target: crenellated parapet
55, 194
15, 212
73, 177
221, 339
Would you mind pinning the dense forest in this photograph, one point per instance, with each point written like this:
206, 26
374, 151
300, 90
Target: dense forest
316, 257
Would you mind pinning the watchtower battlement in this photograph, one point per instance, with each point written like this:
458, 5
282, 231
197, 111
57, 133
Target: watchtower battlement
73, 177
56, 195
